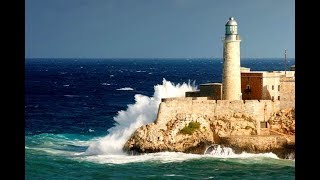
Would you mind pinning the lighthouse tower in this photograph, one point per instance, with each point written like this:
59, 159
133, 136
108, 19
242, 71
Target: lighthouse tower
231, 82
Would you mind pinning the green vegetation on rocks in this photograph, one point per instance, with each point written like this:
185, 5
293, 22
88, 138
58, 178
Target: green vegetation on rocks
193, 126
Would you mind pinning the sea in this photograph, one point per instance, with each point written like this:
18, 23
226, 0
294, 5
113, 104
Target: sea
79, 113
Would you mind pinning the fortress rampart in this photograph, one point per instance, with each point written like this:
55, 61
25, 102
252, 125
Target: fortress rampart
287, 93
224, 122
258, 110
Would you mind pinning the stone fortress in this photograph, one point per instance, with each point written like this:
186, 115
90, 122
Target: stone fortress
249, 111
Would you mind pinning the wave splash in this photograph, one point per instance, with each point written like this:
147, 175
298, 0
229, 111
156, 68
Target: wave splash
219, 151
143, 112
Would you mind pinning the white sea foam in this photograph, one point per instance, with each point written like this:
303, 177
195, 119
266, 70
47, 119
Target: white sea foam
163, 157
105, 84
168, 157
70, 95
143, 112
125, 89
226, 152
172, 175
245, 155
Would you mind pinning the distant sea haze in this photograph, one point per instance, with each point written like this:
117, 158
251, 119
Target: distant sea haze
78, 112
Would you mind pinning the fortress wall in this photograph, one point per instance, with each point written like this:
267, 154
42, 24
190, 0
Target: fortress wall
287, 94
171, 108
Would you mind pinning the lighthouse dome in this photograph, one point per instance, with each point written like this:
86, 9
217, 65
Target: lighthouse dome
232, 22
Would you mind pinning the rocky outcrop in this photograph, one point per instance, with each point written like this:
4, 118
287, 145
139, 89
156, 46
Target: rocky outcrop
283, 121
237, 130
152, 138
283, 146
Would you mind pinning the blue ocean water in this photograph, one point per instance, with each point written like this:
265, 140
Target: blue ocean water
71, 104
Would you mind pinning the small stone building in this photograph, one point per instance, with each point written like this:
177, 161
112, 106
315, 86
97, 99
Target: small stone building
210, 90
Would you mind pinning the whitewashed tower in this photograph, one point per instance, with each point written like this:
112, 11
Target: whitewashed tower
231, 82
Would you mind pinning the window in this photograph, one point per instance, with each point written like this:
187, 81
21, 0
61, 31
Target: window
272, 98
232, 29
248, 89
272, 87
278, 87
279, 98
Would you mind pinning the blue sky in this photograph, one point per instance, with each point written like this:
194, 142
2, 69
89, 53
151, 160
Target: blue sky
156, 28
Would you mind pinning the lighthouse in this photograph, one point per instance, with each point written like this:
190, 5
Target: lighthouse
231, 80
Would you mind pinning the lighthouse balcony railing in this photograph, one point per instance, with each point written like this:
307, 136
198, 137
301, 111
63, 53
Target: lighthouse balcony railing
231, 38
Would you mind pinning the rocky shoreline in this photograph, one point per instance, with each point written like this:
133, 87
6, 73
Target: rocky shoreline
238, 131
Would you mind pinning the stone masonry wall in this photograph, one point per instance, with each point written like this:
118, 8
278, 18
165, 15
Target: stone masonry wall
258, 110
287, 93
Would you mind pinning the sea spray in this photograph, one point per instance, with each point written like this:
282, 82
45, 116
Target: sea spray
142, 112
219, 151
